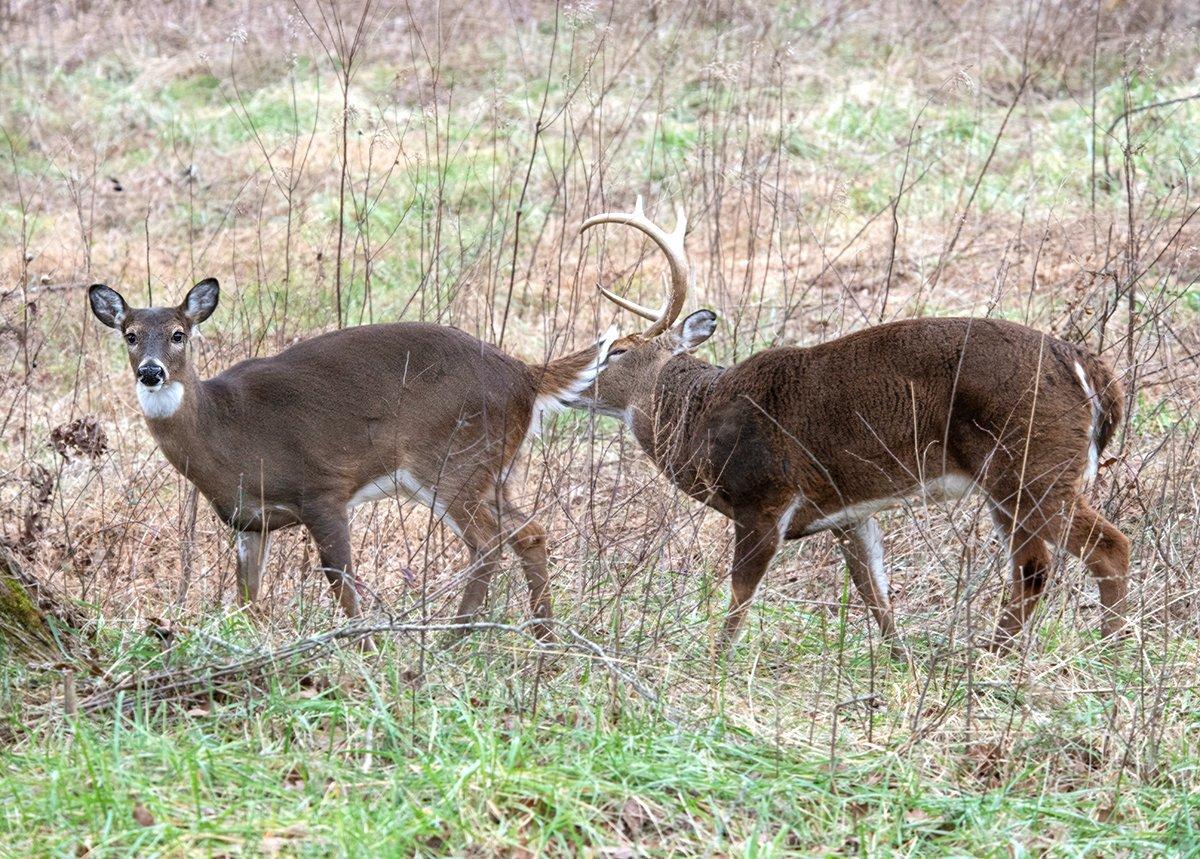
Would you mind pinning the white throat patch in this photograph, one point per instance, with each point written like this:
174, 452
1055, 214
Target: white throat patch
160, 402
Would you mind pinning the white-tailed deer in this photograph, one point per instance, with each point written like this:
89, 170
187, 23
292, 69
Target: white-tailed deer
794, 441
419, 411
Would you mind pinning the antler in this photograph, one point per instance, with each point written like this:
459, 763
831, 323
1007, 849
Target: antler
672, 245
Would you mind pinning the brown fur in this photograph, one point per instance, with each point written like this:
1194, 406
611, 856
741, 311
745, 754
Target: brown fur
290, 439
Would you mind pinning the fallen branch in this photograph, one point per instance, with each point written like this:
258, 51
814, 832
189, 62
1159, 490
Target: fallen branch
245, 674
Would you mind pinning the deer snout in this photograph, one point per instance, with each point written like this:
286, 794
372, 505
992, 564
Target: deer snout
152, 374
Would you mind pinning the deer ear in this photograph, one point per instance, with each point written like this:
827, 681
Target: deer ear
107, 305
697, 328
201, 300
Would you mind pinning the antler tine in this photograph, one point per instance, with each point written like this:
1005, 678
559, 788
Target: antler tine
671, 245
681, 223
640, 309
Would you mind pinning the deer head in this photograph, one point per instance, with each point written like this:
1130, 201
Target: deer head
633, 362
158, 341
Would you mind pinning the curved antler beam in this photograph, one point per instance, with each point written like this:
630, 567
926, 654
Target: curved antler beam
671, 244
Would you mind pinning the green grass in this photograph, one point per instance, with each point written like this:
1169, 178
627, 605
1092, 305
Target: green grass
489, 752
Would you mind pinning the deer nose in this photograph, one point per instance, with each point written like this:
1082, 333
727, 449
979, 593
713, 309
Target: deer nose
151, 374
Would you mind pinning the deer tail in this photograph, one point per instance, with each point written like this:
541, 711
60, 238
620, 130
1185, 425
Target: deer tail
560, 382
1107, 398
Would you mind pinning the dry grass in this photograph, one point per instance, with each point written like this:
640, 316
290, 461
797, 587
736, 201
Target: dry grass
843, 163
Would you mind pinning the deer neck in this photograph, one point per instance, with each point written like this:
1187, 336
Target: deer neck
664, 414
173, 416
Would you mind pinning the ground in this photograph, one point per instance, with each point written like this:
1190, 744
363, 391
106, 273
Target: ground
842, 164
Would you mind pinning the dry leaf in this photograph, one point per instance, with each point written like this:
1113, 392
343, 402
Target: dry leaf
142, 815
81, 437
633, 817
272, 843
857, 810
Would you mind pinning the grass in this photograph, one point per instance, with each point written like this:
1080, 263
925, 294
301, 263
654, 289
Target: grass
492, 752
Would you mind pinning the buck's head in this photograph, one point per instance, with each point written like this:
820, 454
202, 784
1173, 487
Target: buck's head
158, 341
633, 363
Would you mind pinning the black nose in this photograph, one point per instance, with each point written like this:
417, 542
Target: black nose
151, 375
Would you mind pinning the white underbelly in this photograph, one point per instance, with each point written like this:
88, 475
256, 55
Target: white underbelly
947, 488
401, 483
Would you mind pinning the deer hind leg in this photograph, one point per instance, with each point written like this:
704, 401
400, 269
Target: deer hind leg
1030, 569
862, 548
252, 548
330, 528
1105, 551
528, 540
755, 544
480, 529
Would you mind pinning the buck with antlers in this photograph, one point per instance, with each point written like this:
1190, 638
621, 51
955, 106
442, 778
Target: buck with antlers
419, 411
794, 441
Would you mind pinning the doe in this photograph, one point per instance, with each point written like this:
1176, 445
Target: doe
420, 411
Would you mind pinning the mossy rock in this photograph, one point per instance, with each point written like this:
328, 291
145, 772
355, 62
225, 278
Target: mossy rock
25, 632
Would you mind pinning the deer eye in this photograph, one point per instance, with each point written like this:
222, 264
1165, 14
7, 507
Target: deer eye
130, 338
612, 353
177, 337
